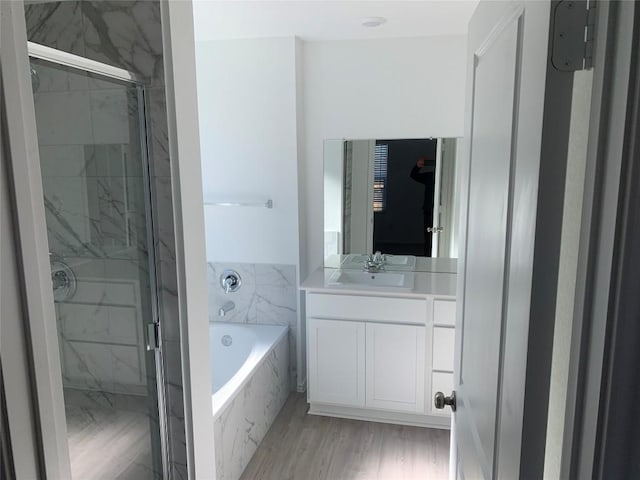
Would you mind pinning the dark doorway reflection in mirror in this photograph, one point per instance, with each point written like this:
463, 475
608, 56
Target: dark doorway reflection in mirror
404, 179
396, 196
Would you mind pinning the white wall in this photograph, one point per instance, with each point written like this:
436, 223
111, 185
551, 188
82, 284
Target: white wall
361, 215
365, 89
248, 132
333, 180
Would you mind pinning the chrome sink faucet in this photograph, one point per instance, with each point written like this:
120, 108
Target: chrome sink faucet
374, 263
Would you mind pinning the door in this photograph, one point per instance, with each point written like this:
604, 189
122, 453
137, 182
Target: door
395, 367
80, 189
336, 362
510, 203
96, 194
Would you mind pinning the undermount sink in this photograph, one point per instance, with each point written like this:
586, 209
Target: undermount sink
371, 281
400, 262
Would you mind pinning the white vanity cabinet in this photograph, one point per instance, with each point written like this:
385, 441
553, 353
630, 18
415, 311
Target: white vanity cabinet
336, 350
443, 347
377, 357
395, 367
362, 364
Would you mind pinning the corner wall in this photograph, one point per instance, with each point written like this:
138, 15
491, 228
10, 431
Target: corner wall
249, 122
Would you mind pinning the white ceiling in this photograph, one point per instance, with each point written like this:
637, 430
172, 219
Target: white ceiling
329, 20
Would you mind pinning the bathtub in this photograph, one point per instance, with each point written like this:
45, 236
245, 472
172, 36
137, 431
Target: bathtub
249, 385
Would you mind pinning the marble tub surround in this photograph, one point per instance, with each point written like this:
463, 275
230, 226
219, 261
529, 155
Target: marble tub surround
243, 423
268, 295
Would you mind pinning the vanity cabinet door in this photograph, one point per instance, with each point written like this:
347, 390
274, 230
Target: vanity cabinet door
396, 367
336, 352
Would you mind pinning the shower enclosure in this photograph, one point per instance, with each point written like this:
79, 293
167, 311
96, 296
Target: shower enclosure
92, 142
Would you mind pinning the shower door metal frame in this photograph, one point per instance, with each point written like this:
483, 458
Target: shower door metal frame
31, 234
163, 411
75, 62
59, 57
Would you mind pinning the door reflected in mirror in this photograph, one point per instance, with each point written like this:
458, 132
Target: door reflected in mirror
393, 196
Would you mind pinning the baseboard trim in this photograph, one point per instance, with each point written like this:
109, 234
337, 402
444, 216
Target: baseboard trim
380, 416
302, 386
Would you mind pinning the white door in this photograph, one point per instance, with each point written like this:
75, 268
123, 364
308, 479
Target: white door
336, 362
395, 358
507, 75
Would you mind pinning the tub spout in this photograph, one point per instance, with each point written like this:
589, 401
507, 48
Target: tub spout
224, 309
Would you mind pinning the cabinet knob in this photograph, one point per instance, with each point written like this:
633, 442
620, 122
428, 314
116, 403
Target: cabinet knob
440, 400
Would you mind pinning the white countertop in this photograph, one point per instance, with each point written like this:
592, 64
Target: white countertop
423, 264
426, 283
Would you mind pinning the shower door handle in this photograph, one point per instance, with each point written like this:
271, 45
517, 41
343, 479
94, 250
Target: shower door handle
153, 336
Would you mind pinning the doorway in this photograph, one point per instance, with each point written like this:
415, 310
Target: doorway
91, 132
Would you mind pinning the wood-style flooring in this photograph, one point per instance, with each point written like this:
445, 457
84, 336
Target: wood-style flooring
108, 444
308, 447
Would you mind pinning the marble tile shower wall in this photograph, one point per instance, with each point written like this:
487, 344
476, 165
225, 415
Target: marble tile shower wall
268, 295
128, 34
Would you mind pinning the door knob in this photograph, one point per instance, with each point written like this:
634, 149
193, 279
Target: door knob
435, 229
440, 401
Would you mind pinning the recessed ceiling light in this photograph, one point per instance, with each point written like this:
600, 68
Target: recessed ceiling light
373, 21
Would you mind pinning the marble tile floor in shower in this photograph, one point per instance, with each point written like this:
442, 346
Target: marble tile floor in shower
108, 436
308, 447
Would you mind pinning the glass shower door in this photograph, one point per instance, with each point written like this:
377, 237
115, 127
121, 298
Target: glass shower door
95, 178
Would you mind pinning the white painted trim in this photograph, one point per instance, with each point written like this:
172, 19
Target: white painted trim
33, 241
437, 208
612, 62
301, 332
70, 60
188, 212
19, 429
302, 386
380, 416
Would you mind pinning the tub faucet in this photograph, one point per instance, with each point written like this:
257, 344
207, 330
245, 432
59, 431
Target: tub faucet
224, 309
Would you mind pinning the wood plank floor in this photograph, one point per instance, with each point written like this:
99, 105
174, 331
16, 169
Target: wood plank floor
308, 447
108, 444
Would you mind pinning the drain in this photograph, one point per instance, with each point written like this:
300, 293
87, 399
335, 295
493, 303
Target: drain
227, 340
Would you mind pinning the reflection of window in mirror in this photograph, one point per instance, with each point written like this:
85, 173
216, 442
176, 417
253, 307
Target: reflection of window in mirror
380, 176
392, 195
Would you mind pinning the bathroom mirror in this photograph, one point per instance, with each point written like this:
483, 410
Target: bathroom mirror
394, 196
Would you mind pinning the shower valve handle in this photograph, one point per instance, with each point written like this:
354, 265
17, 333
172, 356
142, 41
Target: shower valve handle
230, 281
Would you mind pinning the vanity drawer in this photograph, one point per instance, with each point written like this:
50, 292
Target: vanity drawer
444, 312
443, 347
367, 308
